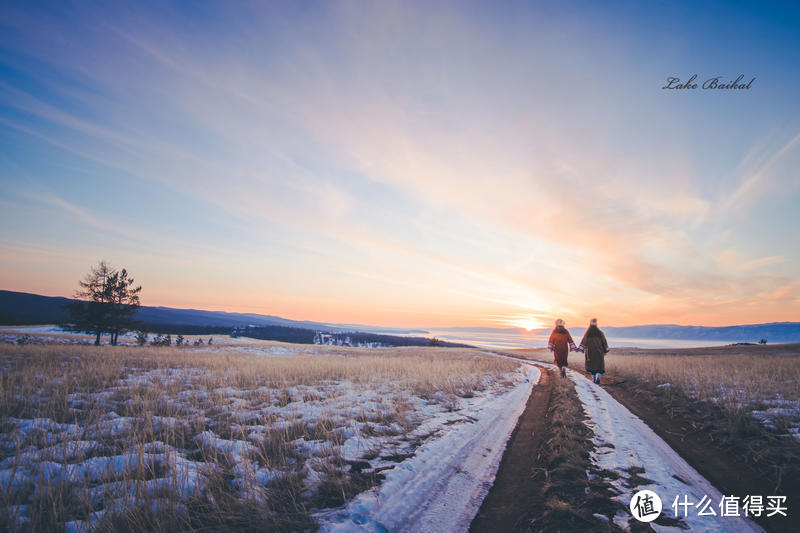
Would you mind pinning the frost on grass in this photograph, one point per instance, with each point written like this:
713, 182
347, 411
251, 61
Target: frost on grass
141, 438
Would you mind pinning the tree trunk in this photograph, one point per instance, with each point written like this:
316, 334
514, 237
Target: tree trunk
97, 339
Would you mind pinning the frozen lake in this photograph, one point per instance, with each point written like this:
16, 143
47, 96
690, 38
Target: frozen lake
511, 338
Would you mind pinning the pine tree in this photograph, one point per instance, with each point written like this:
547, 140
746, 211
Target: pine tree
124, 303
93, 314
107, 302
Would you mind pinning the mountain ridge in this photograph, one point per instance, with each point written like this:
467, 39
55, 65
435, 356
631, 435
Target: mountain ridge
17, 308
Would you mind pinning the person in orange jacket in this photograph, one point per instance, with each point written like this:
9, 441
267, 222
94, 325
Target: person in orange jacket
560, 344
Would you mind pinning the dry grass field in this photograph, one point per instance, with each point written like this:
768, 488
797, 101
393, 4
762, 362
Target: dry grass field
144, 438
746, 382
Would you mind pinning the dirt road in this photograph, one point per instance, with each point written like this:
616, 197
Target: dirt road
626, 455
513, 494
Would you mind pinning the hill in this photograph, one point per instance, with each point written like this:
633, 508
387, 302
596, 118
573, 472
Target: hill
17, 308
26, 308
773, 332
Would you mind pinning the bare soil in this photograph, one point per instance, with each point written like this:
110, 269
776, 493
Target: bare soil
512, 493
542, 484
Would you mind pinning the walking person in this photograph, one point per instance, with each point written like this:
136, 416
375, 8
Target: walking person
560, 344
595, 347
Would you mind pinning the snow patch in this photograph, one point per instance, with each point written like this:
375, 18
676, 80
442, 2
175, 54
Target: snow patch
637, 446
442, 487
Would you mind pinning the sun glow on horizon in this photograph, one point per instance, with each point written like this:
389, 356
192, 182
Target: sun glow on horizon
526, 323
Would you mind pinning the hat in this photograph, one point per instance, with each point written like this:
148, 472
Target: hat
559, 322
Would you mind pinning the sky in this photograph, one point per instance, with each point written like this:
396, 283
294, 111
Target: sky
421, 164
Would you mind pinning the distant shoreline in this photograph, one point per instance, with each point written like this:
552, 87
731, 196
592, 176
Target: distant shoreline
506, 340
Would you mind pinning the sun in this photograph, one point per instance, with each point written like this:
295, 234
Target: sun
526, 323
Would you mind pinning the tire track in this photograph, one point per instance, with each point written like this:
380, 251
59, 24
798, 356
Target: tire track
512, 494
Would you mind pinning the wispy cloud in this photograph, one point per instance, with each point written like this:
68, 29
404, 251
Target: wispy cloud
416, 158
767, 167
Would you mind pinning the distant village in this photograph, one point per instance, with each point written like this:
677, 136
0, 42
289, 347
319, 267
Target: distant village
343, 339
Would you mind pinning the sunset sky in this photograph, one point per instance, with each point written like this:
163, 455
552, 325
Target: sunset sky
407, 164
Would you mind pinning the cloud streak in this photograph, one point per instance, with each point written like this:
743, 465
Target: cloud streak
430, 164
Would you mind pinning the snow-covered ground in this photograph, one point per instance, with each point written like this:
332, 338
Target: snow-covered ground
163, 436
626, 446
51, 334
258, 347
772, 410
442, 487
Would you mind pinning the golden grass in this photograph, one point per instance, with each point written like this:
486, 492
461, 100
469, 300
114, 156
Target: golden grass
735, 379
742, 380
427, 370
167, 397
737, 375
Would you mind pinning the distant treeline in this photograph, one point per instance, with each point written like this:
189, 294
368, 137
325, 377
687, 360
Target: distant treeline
185, 329
351, 338
276, 333
360, 338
